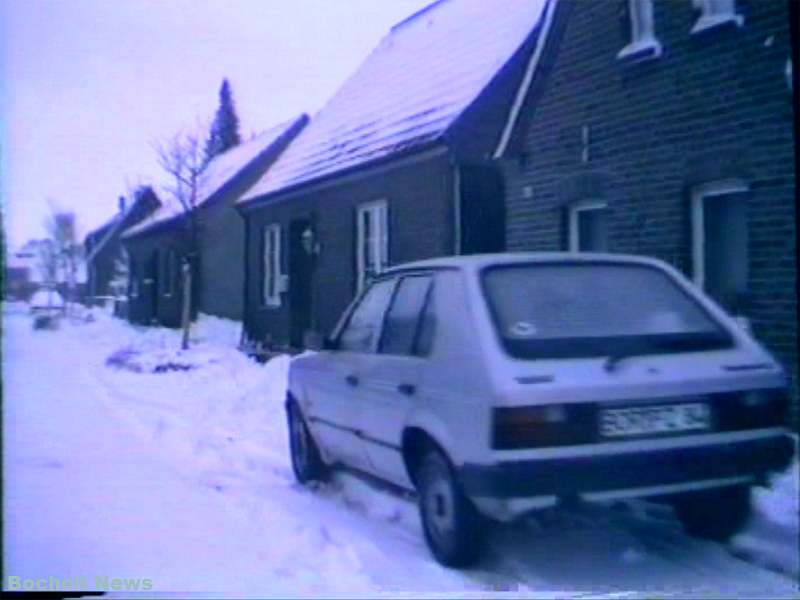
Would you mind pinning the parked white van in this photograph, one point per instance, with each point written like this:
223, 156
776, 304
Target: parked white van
498, 384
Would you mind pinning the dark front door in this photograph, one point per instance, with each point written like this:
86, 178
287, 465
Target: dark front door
482, 210
300, 273
725, 251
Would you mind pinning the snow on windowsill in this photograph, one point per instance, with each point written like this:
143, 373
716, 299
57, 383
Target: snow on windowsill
643, 49
706, 22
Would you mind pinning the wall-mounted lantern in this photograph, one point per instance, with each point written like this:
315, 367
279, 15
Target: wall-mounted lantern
310, 243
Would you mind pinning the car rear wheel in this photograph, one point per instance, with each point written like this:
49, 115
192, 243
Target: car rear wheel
307, 462
717, 514
454, 531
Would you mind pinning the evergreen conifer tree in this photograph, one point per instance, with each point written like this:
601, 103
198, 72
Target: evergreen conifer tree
224, 132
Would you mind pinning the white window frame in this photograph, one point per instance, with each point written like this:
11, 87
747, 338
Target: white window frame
714, 13
699, 194
378, 212
271, 263
643, 37
574, 210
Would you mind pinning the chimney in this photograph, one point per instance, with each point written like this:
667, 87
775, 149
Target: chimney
122, 204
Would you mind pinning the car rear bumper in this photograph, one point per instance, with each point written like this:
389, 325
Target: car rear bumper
645, 469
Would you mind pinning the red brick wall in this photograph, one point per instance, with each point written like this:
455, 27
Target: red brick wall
714, 105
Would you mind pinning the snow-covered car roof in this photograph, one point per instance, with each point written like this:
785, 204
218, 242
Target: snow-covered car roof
409, 91
46, 299
220, 171
479, 261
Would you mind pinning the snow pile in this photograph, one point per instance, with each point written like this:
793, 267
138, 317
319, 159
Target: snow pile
158, 350
772, 535
211, 403
217, 330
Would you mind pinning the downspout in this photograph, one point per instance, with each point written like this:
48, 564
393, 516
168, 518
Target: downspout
527, 80
245, 287
457, 209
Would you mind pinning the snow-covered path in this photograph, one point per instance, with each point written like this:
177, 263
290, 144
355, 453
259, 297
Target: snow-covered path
182, 478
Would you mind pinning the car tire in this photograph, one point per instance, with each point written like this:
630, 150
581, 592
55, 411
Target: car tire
307, 462
453, 529
717, 514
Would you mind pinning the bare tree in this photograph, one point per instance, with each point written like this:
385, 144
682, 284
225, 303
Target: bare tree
46, 261
62, 255
183, 159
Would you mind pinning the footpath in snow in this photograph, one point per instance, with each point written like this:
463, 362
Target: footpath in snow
182, 478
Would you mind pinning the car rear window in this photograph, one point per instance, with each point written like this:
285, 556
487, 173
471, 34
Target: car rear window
579, 309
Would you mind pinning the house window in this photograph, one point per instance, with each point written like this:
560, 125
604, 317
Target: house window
372, 241
720, 240
714, 13
588, 227
272, 265
643, 40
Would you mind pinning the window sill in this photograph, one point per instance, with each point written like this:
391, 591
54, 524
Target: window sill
640, 51
706, 23
270, 305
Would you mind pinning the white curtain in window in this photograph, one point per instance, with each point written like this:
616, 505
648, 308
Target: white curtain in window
372, 241
272, 262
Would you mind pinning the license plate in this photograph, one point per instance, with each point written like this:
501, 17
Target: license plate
649, 420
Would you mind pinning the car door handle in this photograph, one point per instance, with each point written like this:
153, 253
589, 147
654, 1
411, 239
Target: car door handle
406, 389
352, 380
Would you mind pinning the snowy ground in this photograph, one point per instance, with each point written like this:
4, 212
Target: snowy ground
182, 477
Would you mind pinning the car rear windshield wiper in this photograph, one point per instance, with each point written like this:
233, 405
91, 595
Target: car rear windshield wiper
674, 343
613, 360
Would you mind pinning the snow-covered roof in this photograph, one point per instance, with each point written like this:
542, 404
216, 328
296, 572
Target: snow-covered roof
106, 231
413, 86
222, 169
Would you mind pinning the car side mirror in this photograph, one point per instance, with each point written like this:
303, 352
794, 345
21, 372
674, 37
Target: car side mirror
315, 341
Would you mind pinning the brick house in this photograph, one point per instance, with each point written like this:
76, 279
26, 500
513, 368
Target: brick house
665, 128
102, 246
395, 167
158, 245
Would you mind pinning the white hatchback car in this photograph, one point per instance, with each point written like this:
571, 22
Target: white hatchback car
498, 384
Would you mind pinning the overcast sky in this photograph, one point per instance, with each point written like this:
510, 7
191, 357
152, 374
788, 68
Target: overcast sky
87, 85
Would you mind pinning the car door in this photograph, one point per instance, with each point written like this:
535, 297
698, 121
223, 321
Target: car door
335, 392
390, 377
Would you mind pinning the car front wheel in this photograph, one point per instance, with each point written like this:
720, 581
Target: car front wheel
307, 462
717, 514
453, 529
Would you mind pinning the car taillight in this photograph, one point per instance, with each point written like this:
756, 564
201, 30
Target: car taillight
540, 426
753, 409
772, 405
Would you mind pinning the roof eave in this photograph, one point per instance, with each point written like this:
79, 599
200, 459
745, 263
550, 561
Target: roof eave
246, 205
153, 228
